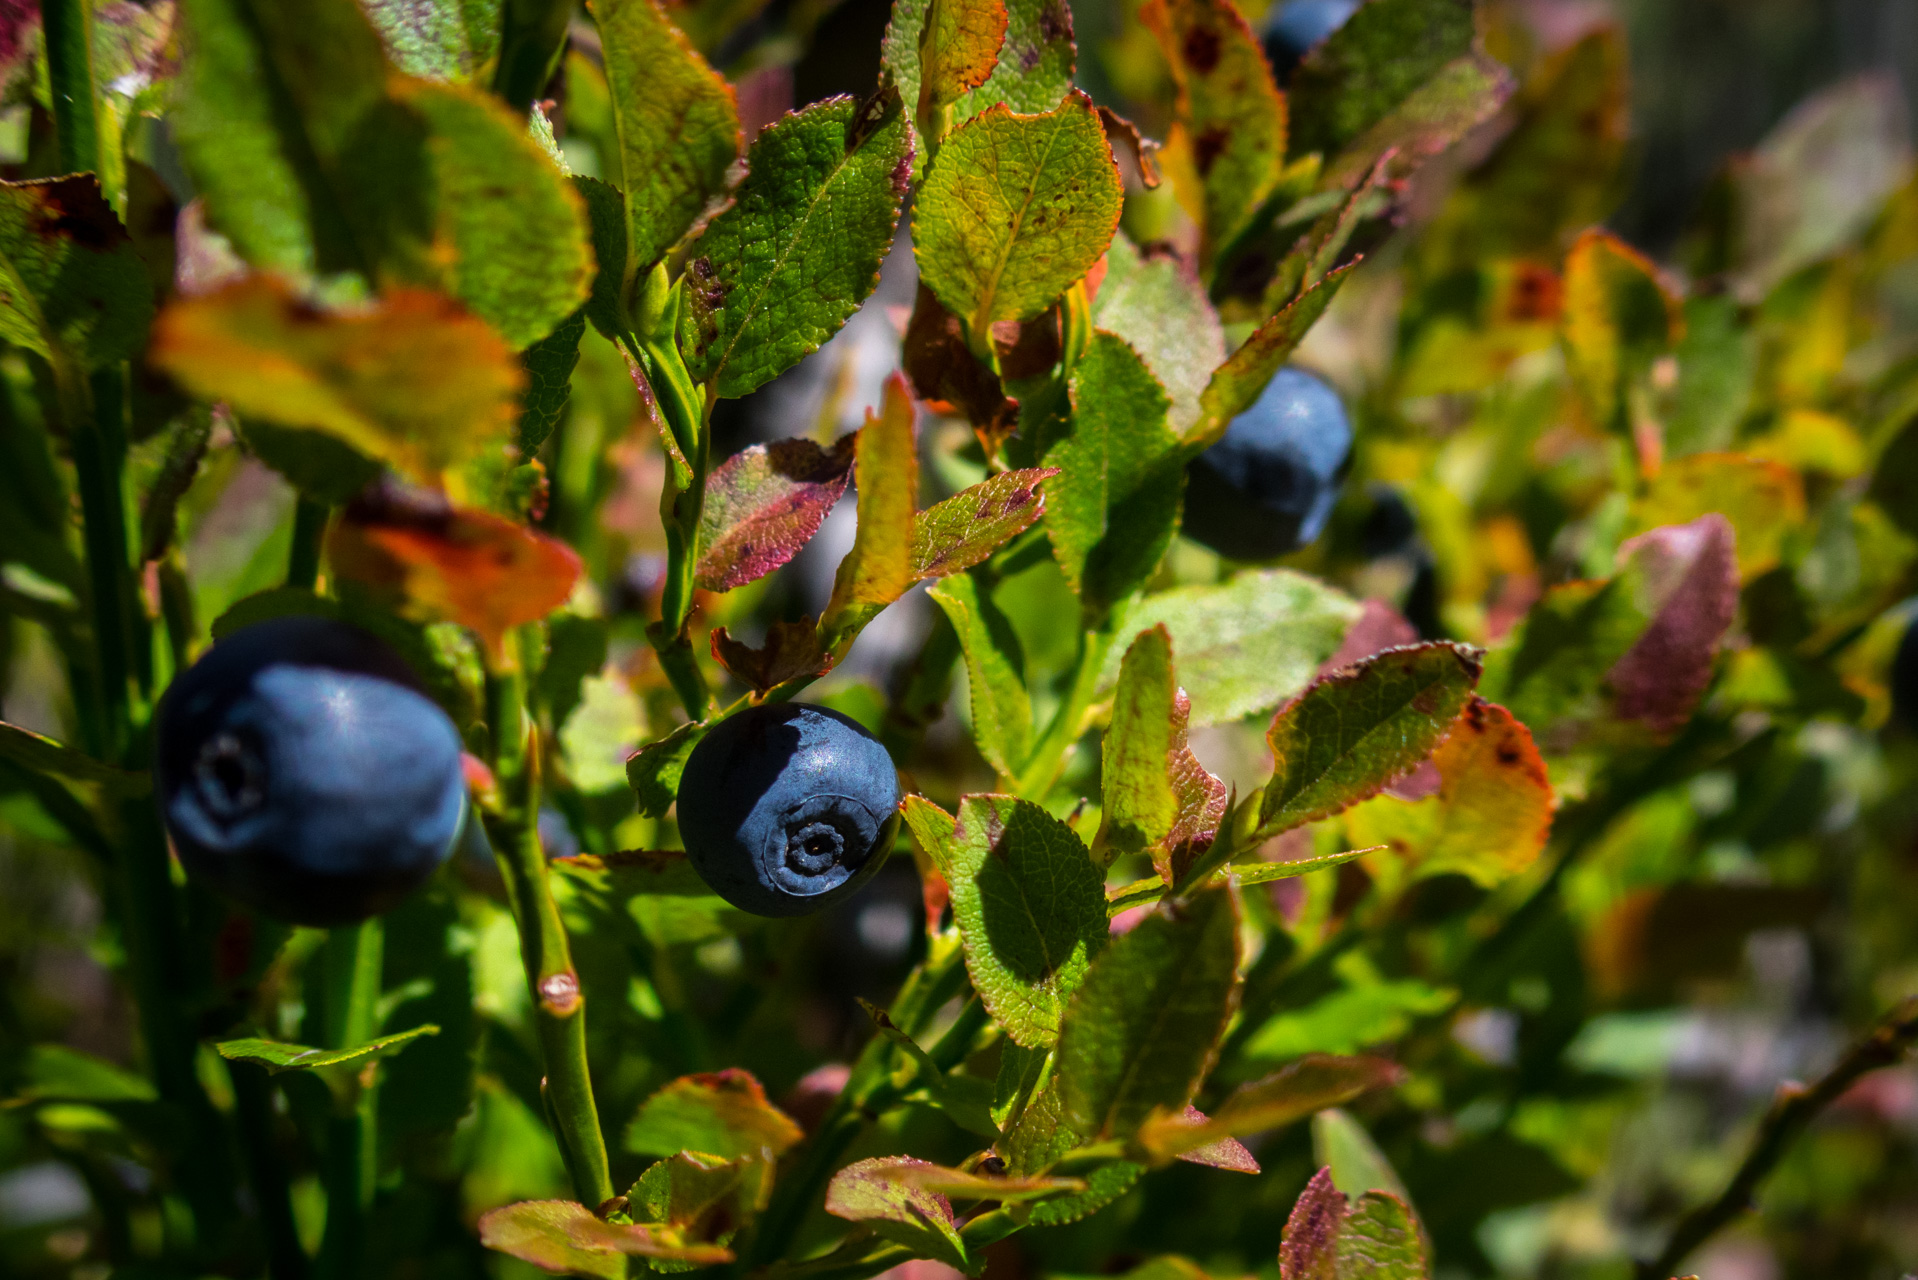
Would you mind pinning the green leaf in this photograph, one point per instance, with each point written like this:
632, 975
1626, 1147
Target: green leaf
549, 365
607, 306
1369, 66
55, 1072
1015, 210
42, 754
1138, 804
1034, 67
799, 249
1142, 1029
896, 1209
1114, 506
878, 569
412, 380
1248, 644
447, 40
1459, 97
1311, 1084
677, 126
75, 290
1159, 306
1243, 875
314, 156
257, 130
724, 1114
1341, 1144
1229, 108
952, 536
277, 1056
562, 1236
1028, 902
697, 1195
654, 769
1238, 383
765, 503
995, 672
511, 223
1380, 1240
1357, 729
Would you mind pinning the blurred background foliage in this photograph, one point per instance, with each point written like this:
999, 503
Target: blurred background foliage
1741, 899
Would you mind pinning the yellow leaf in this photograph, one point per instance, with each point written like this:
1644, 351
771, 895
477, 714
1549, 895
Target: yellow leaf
1490, 816
1763, 500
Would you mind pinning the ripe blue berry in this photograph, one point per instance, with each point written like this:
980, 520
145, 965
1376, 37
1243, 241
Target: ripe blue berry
1297, 25
301, 771
1268, 486
785, 809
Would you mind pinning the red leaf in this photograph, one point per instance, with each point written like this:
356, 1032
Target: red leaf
1688, 579
763, 504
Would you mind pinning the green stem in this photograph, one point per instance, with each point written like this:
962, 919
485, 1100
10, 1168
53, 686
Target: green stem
559, 1006
309, 529
868, 1091
68, 27
351, 976
687, 416
253, 1107
1068, 723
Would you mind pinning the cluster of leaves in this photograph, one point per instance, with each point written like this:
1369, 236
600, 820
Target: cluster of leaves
312, 308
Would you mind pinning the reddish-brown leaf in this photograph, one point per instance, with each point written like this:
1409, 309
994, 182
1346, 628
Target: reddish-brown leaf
763, 504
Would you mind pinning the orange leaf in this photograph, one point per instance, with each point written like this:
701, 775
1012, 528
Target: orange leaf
434, 561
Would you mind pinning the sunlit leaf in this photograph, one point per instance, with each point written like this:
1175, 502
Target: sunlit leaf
763, 504
1157, 303
958, 48
1032, 72
879, 568
1113, 507
1372, 64
896, 1209
1028, 902
1015, 210
1356, 730
74, 287
995, 672
1228, 105
1248, 644
1238, 383
1491, 814
654, 769
437, 41
1141, 1031
562, 1236
676, 123
724, 1114
411, 379
1157, 798
276, 1056
1459, 97
956, 534
798, 250
1313, 1083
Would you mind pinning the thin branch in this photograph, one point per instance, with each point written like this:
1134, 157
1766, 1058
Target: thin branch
1792, 1111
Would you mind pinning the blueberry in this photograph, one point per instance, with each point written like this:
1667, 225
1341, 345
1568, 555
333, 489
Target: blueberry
786, 809
1268, 486
1297, 25
1904, 679
301, 771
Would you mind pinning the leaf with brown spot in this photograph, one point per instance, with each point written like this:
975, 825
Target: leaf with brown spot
435, 562
72, 287
1491, 815
763, 504
958, 48
952, 536
1229, 107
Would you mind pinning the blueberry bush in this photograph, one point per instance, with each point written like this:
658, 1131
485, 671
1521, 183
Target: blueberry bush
1141, 649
